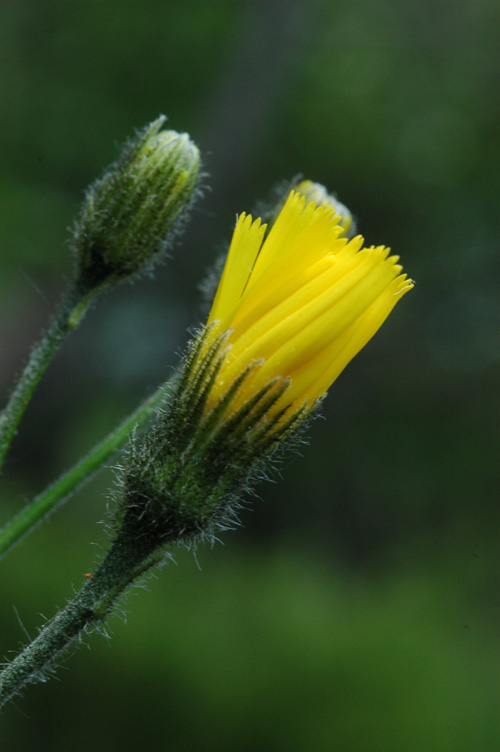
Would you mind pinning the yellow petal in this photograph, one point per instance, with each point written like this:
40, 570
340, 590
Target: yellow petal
244, 248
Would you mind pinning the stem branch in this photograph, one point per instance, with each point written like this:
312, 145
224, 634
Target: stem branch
63, 488
66, 319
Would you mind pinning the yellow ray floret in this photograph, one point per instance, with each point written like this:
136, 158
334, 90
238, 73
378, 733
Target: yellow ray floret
301, 301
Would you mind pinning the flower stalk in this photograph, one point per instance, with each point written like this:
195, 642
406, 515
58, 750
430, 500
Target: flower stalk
126, 560
65, 321
64, 487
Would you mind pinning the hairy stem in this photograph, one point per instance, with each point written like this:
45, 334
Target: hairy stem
63, 488
66, 319
126, 559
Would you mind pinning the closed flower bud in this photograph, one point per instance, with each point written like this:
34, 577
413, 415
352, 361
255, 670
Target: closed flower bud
318, 193
293, 307
131, 212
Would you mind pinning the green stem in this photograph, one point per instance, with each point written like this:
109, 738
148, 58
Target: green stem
127, 559
66, 319
60, 491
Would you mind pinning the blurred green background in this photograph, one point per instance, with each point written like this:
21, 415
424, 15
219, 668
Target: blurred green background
358, 606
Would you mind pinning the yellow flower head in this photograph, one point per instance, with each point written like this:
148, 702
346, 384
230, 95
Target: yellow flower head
298, 303
293, 306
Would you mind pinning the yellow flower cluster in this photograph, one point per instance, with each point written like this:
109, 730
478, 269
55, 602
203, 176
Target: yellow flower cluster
301, 300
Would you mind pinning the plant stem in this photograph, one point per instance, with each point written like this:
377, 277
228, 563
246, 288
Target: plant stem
63, 488
66, 319
126, 559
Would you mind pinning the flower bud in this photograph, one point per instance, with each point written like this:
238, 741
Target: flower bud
318, 193
130, 213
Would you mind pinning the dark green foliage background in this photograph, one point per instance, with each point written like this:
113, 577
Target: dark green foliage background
358, 607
